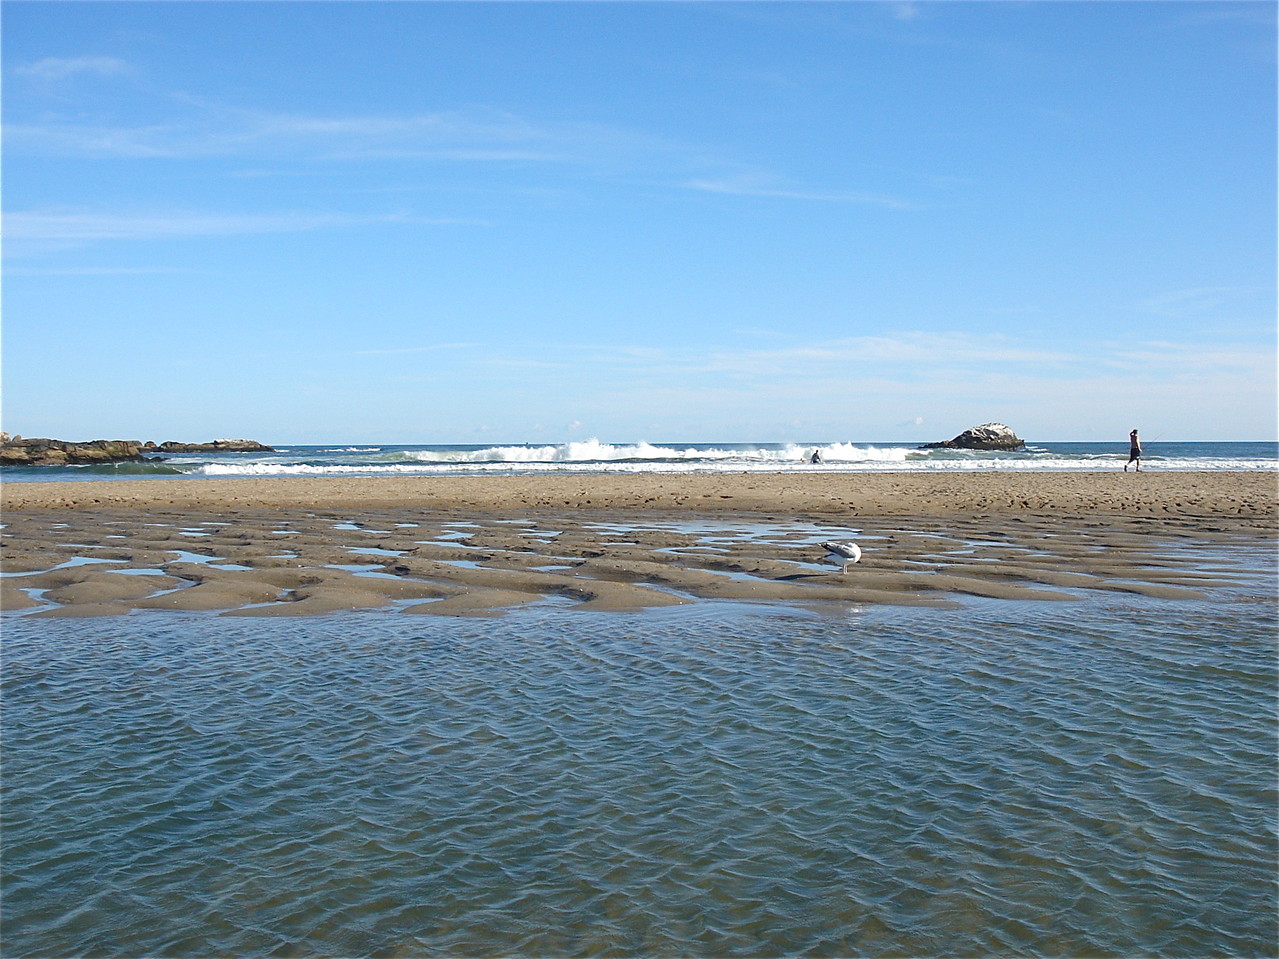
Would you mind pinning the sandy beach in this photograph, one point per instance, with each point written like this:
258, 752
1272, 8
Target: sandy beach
1177, 494
483, 545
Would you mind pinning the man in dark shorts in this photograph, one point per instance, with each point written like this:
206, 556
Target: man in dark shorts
1134, 451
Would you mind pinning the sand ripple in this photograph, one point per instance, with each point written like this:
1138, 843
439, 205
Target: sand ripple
287, 562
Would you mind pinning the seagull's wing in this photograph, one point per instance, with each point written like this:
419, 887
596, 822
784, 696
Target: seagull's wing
847, 550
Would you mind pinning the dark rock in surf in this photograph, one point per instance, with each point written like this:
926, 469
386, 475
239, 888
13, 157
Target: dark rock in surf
989, 436
214, 446
19, 451
45, 452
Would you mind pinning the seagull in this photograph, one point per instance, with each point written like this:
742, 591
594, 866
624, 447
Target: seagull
843, 553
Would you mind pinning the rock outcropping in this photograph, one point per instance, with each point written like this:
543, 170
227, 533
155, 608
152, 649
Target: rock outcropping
216, 446
989, 436
16, 451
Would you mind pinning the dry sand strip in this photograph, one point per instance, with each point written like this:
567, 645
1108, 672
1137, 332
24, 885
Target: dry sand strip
1180, 494
465, 547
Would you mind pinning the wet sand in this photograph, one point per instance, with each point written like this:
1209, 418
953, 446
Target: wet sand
483, 545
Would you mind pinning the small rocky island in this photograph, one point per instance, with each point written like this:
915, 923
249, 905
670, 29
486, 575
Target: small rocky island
17, 451
214, 446
988, 436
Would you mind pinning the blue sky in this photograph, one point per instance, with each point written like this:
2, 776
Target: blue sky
536, 222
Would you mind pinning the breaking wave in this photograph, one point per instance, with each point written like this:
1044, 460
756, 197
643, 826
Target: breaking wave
595, 456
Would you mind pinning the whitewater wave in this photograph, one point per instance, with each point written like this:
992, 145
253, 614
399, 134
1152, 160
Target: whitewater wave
594, 451
953, 463
587, 451
594, 456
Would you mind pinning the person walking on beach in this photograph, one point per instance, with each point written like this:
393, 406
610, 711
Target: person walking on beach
1134, 451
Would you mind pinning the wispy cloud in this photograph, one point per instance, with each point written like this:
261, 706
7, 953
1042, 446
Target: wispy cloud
201, 129
905, 356
872, 383
1195, 301
194, 128
95, 271
854, 365
755, 185
70, 138
62, 68
864, 354
470, 133
1176, 358
89, 226
416, 349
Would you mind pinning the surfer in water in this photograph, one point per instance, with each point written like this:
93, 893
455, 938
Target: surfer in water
1134, 451
816, 457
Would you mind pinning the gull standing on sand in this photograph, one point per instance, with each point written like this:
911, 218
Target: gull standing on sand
843, 553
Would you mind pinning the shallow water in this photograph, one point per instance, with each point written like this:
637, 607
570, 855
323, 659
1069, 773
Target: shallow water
1093, 778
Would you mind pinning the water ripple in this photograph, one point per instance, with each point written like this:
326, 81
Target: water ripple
694, 781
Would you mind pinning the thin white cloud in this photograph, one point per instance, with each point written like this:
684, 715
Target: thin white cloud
1184, 357
472, 128
871, 401
901, 362
857, 355
97, 141
61, 68
416, 349
88, 226
902, 357
96, 271
1195, 301
751, 185
199, 129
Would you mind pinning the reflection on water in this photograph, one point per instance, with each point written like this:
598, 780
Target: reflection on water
709, 780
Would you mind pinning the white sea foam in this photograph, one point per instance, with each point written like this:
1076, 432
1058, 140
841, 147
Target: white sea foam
642, 458
595, 456
595, 452
587, 451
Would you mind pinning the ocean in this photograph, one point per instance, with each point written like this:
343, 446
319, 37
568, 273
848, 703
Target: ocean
593, 456
1013, 779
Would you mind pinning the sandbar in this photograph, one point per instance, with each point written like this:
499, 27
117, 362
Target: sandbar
484, 545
